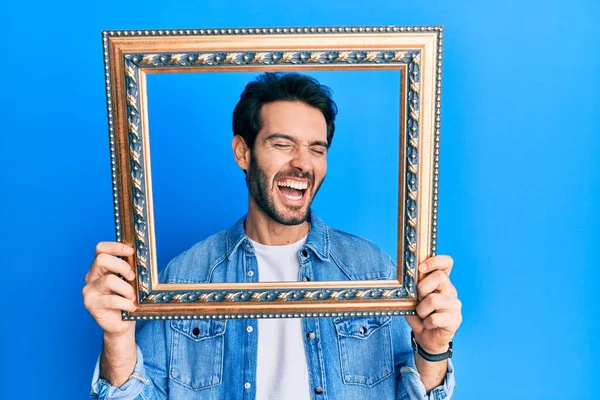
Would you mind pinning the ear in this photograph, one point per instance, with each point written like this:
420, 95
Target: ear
241, 152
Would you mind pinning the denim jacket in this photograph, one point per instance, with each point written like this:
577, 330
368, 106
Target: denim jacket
216, 359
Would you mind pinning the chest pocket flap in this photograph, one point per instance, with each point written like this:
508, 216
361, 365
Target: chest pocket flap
362, 327
199, 330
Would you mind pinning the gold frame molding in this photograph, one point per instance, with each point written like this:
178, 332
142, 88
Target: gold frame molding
416, 52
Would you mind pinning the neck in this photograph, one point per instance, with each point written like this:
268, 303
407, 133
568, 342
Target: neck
264, 230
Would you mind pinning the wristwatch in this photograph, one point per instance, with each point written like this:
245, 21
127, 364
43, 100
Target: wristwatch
428, 356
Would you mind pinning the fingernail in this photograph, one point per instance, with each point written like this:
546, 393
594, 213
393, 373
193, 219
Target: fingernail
423, 267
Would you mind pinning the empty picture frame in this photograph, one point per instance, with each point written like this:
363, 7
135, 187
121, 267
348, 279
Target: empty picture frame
414, 52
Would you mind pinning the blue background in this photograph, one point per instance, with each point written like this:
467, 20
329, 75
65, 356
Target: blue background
519, 180
198, 189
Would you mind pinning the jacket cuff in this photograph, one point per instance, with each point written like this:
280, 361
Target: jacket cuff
416, 390
102, 389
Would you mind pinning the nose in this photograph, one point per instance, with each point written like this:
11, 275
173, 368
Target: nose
302, 159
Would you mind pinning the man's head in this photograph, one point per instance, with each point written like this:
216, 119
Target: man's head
283, 126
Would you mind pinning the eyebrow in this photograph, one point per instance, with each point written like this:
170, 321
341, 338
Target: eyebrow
292, 139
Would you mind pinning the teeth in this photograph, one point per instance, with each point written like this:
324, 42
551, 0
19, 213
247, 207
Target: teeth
293, 197
293, 184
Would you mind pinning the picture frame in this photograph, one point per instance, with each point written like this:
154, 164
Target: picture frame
415, 52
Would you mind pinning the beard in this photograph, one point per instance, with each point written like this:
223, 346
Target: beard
258, 183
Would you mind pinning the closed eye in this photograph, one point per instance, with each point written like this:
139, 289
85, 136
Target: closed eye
318, 151
282, 146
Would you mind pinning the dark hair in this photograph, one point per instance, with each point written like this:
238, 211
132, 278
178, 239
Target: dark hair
274, 86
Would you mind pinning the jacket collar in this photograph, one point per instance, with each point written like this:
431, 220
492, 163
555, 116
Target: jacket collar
317, 240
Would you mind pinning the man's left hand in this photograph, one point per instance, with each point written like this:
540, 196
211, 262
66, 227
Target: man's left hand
439, 310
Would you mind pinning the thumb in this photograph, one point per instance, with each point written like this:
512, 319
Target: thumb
416, 323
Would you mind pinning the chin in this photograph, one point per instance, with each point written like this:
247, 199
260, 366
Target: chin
293, 220
290, 219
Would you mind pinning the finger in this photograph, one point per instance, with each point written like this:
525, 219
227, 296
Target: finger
436, 302
111, 284
443, 263
105, 264
114, 302
114, 248
415, 322
108, 264
437, 281
447, 320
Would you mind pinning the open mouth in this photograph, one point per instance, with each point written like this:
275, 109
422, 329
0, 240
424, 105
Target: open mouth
292, 189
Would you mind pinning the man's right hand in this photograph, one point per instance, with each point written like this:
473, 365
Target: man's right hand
105, 295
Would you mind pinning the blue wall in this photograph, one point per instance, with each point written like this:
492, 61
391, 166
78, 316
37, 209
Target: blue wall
192, 160
519, 180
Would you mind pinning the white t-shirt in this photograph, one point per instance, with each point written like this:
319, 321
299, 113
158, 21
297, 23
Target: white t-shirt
281, 371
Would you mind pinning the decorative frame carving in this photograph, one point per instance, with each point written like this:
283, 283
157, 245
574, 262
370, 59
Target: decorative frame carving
416, 52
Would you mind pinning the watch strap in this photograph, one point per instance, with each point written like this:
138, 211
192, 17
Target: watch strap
428, 356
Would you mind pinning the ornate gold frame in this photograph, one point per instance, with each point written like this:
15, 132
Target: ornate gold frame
416, 52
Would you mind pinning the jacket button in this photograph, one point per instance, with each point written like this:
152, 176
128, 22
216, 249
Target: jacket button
304, 253
306, 279
196, 331
318, 390
311, 335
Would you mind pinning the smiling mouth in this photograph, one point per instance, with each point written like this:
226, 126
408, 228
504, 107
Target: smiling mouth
291, 189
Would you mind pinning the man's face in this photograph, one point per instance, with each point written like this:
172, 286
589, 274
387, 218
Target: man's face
289, 161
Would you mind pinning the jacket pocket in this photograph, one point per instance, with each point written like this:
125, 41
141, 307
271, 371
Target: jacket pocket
197, 353
365, 346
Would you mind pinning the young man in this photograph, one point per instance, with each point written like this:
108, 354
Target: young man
283, 126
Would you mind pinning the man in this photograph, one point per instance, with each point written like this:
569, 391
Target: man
283, 126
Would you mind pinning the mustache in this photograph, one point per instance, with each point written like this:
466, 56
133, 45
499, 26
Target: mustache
296, 174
